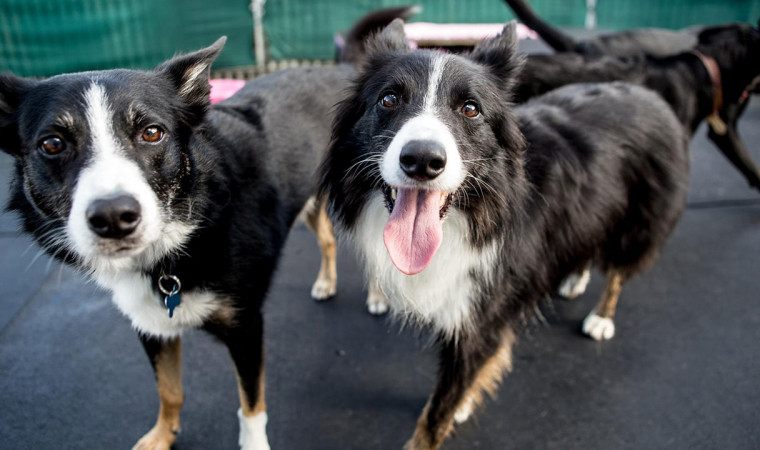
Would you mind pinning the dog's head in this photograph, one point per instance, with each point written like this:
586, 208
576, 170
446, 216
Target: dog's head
103, 168
430, 132
736, 49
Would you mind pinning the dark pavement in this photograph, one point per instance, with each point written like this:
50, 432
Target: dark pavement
683, 371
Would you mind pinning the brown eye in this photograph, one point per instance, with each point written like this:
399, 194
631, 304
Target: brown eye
389, 100
152, 134
470, 110
52, 145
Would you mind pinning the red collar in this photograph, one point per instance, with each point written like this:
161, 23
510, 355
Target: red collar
714, 72
716, 123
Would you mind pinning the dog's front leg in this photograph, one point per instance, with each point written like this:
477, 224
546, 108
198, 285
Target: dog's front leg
469, 366
245, 341
166, 357
732, 146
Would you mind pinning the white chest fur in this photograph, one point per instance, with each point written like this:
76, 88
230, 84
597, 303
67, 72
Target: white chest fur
444, 294
133, 294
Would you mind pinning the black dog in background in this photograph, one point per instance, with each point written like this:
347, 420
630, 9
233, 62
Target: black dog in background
468, 211
704, 73
180, 209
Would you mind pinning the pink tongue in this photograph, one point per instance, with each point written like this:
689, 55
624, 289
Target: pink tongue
413, 232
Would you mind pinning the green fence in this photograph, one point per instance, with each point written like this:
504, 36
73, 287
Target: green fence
621, 14
45, 37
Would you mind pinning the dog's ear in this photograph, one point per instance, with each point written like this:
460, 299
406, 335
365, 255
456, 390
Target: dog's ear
190, 73
11, 92
391, 39
500, 54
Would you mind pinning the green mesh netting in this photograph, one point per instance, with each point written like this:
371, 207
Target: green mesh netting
45, 37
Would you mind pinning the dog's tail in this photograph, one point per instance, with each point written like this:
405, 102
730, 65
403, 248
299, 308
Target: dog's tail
351, 49
556, 39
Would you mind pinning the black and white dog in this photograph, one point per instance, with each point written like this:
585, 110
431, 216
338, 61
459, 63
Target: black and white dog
179, 209
467, 210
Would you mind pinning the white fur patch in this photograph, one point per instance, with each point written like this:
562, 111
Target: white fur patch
442, 295
253, 433
464, 412
598, 328
377, 302
575, 284
134, 295
434, 80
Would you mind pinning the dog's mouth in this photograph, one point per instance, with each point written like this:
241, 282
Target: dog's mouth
119, 248
391, 194
414, 230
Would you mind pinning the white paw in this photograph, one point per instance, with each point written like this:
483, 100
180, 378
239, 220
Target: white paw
377, 304
253, 433
464, 412
575, 284
323, 289
598, 328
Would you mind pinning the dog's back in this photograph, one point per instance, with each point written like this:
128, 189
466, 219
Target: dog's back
594, 151
274, 138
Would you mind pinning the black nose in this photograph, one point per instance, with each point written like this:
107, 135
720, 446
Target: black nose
423, 160
113, 217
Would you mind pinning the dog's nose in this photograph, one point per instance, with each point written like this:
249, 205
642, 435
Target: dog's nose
423, 160
115, 217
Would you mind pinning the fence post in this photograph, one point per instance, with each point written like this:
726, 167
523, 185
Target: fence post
257, 9
590, 14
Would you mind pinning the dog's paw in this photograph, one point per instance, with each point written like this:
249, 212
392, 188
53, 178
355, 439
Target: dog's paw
253, 432
324, 289
575, 284
377, 303
464, 412
158, 438
598, 328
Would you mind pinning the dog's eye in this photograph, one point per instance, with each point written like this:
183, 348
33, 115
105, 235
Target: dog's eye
389, 100
470, 110
152, 134
52, 145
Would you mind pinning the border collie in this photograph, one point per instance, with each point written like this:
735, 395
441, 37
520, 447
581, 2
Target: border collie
179, 209
467, 210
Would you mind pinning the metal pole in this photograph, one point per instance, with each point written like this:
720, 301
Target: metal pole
257, 9
590, 14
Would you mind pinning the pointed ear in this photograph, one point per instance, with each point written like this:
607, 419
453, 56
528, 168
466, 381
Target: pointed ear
12, 89
190, 73
500, 53
391, 40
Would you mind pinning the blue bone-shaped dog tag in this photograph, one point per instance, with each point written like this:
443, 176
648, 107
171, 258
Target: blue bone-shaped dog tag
173, 298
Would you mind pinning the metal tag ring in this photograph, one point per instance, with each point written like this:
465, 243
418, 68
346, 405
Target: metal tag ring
175, 288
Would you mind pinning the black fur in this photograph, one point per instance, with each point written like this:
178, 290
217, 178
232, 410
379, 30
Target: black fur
563, 183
